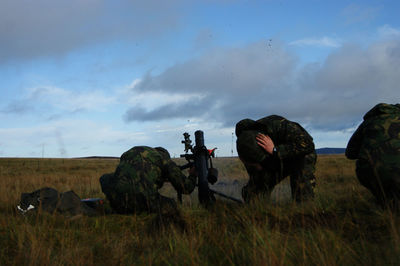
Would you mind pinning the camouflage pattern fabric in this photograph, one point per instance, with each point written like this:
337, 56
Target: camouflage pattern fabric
295, 156
133, 187
247, 147
376, 145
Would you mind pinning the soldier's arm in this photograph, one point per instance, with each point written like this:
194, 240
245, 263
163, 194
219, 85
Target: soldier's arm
179, 181
298, 141
354, 145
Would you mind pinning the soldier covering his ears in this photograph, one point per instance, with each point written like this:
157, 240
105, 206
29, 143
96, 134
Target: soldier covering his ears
273, 148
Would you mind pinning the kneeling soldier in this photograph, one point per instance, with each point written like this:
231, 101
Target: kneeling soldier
133, 187
376, 146
272, 148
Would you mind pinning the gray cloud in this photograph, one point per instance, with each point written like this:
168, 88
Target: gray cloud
183, 110
45, 28
350, 82
255, 67
258, 80
17, 107
355, 13
228, 79
204, 39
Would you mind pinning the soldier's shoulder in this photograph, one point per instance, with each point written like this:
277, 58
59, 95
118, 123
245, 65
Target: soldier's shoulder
272, 121
272, 118
383, 110
142, 151
280, 121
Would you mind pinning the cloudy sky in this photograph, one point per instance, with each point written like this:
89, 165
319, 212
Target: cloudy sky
95, 77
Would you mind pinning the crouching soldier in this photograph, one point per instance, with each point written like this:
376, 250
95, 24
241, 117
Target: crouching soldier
273, 148
376, 146
133, 187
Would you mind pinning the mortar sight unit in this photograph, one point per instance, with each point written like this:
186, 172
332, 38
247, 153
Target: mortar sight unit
201, 158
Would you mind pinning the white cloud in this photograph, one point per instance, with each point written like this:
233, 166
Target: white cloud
388, 31
82, 137
60, 100
134, 96
322, 42
70, 138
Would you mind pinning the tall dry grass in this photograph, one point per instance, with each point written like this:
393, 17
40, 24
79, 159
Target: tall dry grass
342, 226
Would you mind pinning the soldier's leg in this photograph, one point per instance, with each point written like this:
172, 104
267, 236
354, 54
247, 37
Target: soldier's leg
167, 214
159, 204
128, 195
388, 171
260, 184
302, 179
136, 192
249, 191
367, 176
393, 198
107, 183
382, 181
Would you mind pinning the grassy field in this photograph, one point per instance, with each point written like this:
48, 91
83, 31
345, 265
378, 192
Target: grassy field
342, 226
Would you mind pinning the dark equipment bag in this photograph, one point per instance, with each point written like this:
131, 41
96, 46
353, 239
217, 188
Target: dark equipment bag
50, 200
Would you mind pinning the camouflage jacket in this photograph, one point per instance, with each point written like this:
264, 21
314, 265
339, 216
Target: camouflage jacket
378, 136
290, 138
147, 169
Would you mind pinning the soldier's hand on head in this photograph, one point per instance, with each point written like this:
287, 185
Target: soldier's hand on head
265, 142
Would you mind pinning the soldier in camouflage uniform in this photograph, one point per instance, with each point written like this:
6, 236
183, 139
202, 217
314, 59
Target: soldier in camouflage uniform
376, 145
273, 148
133, 187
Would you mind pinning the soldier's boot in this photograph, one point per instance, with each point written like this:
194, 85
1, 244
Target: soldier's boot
302, 188
251, 193
168, 215
389, 200
302, 180
367, 177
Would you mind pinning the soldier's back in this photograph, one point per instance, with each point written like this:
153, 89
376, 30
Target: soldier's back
381, 135
140, 169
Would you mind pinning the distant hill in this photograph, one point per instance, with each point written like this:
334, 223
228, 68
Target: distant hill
331, 150
319, 151
97, 157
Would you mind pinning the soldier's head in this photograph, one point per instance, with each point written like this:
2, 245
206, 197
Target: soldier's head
164, 153
250, 153
245, 124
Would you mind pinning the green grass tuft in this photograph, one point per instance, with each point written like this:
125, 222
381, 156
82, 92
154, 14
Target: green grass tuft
342, 226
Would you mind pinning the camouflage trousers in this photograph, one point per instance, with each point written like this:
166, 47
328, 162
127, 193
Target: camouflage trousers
129, 199
302, 179
382, 180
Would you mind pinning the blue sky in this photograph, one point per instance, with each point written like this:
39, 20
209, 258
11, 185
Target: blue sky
93, 77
